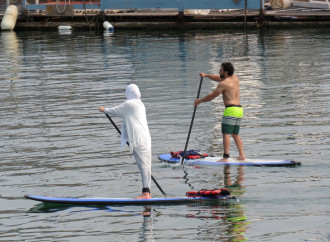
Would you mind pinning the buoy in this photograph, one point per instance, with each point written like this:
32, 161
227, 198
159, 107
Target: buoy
280, 4
64, 27
108, 26
190, 11
197, 11
9, 18
203, 11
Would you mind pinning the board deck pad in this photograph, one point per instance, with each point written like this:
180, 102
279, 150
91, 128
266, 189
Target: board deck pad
129, 201
215, 161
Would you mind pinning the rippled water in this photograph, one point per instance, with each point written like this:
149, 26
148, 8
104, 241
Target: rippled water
54, 142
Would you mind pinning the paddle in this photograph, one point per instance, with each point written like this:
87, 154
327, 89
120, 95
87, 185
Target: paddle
114, 125
192, 121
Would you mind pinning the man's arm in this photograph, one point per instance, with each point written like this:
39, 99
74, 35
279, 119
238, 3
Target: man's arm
212, 77
209, 97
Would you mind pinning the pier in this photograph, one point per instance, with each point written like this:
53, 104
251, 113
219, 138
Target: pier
169, 14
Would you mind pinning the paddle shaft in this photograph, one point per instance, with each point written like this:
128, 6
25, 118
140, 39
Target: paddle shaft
192, 121
113, 123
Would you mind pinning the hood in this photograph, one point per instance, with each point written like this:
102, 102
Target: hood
133, 92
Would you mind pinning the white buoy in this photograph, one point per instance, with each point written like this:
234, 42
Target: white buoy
280, 4
197, 11
203, 11
190, 11
108, 26
9, 18
63, 27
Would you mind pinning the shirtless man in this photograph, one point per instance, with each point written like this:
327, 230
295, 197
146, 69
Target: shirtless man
229, 88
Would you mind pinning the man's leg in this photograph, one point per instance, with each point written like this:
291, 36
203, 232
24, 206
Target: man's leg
226, 145
239, 145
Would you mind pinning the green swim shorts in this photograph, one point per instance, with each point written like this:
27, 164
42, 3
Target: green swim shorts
231, 119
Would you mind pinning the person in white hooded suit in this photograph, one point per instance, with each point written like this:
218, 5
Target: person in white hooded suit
135, 130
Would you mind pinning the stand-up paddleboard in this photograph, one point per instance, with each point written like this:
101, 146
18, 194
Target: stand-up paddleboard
130, 201
215, 161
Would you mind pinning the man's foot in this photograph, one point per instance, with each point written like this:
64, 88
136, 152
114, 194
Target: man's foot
223, 160
144, 195
241, 158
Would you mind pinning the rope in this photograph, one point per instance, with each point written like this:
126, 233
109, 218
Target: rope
63, 8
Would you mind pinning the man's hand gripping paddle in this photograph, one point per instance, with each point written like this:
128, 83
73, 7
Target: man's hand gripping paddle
192, 121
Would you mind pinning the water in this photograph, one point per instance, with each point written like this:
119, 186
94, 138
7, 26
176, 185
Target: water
54, 142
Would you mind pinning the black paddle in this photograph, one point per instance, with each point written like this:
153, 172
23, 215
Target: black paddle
114, 125
191, 124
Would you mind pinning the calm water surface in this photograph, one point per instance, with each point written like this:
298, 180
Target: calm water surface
54, 142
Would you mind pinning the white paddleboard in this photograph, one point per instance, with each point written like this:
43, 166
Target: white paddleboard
216, 161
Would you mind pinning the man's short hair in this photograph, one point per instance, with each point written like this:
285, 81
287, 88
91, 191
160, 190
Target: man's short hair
227, 66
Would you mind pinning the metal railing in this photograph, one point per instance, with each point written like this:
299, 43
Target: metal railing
5, 3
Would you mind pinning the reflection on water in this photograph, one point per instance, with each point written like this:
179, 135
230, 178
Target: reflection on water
53, 207
54, 142
229, 217
147, 233
224, 222
234, 222
11, 46
236, 186
10, 53
107, 33
65, 31
237, 217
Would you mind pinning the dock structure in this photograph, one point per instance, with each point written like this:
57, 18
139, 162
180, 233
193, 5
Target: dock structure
164, 14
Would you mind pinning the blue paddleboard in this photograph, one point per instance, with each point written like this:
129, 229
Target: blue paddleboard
215, 161
129, 201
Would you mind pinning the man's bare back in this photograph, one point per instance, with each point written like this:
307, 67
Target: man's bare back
230, 90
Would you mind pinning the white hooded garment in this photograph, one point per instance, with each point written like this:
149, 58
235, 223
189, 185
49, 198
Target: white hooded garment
135, 130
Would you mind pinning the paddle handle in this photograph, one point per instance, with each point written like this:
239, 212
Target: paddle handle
114, 125
192, 121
